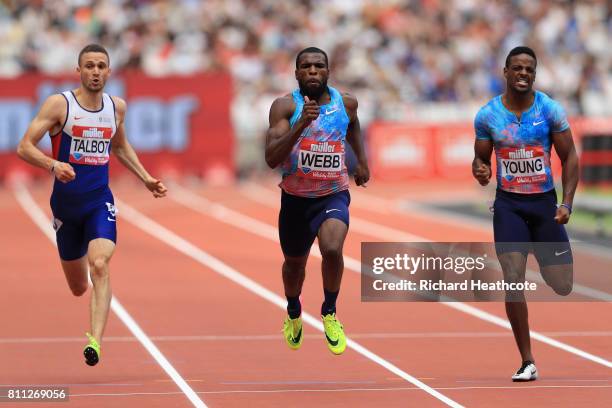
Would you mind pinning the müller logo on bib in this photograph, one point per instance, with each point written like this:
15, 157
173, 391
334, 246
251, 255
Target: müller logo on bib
522, 166
321, 160
89, 145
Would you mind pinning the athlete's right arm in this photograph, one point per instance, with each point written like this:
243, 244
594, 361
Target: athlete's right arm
483, 147
481, 165
52, 114
281, 137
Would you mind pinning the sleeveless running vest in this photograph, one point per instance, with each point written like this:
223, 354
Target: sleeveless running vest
84, 143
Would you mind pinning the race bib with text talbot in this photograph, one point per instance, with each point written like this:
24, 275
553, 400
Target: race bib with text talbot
321, 160
522, 166
90, 145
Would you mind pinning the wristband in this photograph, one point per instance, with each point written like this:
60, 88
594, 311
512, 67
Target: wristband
569, 207
53, 166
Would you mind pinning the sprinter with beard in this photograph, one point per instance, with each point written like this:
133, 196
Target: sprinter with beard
308, 132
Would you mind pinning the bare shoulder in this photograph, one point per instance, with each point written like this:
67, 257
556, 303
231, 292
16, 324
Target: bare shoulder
120, 108
56, 102
283, 104
54, 107
120, 104
349, 100
282, 108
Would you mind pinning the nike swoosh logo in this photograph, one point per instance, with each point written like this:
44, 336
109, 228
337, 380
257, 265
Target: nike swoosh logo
57, 224
77, 118
333, 209
561, 253
110, 219
330, 341
329, 112
298, 337
537, 123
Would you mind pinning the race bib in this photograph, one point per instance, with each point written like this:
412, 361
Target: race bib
522, 166
90, 145
321, 160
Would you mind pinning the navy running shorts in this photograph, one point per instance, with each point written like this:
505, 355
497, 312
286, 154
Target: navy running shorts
79, 219
525, 223
300, 218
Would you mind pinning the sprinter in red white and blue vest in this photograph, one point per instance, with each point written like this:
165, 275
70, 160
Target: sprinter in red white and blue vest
84, 125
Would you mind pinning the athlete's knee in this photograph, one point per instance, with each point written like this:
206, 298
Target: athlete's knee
563, 288
514, 270
294, 265
79, 289
98, 266
513, 277
559, 278
331, 251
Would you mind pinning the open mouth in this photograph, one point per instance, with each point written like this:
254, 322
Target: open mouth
522, 82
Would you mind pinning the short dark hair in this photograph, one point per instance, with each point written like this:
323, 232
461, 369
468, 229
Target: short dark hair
313, 50
520, 50
94, 48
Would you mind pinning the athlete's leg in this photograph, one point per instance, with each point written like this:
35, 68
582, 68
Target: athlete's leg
559, 277
98, 256
552, 247
331, 241
513, 265
294, 271
512, 240
72, 251
331, 224
296, 238
76, 275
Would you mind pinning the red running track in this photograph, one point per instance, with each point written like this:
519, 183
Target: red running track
225, 342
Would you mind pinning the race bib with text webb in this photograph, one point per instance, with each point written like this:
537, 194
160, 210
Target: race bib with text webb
320, 160
525, 165
90, 145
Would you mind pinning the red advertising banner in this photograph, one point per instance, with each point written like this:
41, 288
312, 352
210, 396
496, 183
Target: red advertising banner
414, 150
176, 124
406, 151
454, 148
399, 151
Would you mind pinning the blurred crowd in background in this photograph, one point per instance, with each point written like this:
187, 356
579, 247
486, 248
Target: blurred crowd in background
404, 59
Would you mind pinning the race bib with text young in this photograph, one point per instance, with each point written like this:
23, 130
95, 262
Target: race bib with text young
522, 166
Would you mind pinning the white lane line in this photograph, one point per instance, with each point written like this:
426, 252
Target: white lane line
180, 244
520, 388
269, 197
463, 307
40, 219
203, 206
274, 337
444, 215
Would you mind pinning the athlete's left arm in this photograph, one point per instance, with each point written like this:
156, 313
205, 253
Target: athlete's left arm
127, 156
564, 146
353, 136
